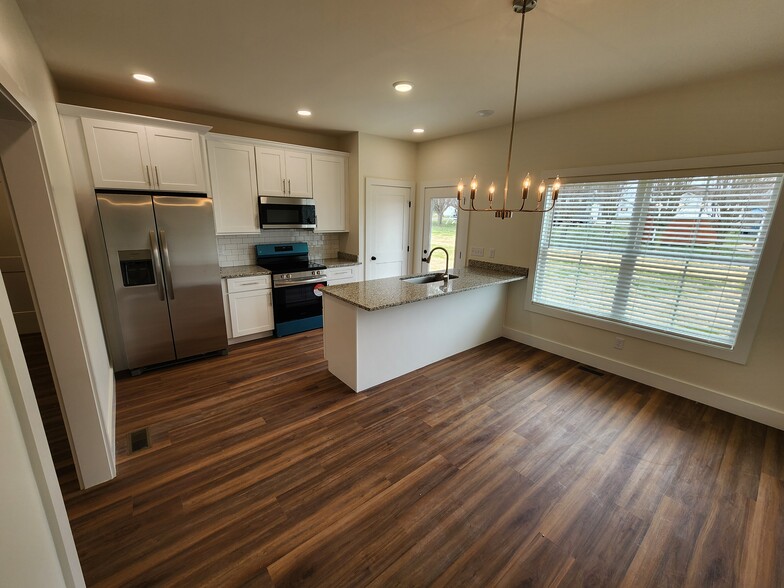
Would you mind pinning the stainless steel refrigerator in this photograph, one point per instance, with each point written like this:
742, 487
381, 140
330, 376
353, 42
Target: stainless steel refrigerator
164, 265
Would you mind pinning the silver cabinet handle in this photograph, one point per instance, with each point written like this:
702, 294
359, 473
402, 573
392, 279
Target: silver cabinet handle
156, 264
167, 264
289, 187
157, 177
149, 177
284, 185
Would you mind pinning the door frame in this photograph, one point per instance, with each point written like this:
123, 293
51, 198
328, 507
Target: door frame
29, 176
462, 221
369, 184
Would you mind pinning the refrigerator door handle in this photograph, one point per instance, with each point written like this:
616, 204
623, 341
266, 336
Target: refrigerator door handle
156, 264
167, 264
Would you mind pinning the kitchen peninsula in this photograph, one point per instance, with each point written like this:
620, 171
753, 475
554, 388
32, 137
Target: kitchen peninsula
378, 330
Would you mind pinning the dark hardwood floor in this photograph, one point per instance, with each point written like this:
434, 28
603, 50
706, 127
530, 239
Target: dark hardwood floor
503, 465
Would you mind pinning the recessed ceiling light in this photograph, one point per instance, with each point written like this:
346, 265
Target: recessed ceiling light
304, 112
419, 131
143, 78
485, 113
403, 86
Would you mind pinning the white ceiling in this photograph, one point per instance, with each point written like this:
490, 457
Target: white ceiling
264, 59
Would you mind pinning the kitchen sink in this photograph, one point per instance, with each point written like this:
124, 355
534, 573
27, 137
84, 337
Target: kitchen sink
428, 278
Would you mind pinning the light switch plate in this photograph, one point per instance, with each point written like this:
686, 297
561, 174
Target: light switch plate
491, 253
478, 251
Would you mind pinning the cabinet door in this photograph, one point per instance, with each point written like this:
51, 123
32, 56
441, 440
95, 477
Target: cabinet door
251, 312
270, 171
329, 192
233, 182
299, 181
176, 159
118, 154
340, 275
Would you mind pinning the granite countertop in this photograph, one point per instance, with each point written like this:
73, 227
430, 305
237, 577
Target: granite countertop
243, 271
389, 292
337, 262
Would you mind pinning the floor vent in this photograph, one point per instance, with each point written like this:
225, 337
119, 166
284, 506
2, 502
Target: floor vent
590, 370
139, 440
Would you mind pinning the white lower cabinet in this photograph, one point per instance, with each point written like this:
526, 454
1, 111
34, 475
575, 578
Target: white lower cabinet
342, 275
248, 303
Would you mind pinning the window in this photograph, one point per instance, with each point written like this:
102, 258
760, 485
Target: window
673, 255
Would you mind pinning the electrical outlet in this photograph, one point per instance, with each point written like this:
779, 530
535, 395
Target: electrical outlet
491, 253
477, 251
619, 342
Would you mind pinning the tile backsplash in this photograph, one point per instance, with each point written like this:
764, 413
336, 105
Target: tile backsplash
241, 249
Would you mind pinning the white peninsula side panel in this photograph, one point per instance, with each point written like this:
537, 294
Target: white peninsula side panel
364, 348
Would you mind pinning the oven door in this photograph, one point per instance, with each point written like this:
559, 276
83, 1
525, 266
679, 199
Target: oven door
287, 213
297, 305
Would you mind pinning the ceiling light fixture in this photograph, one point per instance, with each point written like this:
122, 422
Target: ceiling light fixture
143, 78
403, 87
520, 7
419, 131
304, 112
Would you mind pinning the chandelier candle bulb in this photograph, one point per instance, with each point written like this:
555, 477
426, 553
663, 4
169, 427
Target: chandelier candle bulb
492, 191
556, 187
542, 188
526, 185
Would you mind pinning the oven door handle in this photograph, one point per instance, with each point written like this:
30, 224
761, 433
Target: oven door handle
299, 282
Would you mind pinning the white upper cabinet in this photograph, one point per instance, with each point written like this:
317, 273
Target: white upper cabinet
138, 157
282, 172
176, 160
271, 170
233, 182
299, 181
118, 153
329, 192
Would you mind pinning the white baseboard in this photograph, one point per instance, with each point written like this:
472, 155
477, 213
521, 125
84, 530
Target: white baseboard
749, 410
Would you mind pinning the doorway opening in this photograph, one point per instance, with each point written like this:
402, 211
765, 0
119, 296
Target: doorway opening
18, 286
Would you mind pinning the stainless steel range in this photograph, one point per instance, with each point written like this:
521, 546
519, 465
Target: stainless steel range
296, 286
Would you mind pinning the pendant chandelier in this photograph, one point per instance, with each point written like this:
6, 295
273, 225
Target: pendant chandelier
520, 7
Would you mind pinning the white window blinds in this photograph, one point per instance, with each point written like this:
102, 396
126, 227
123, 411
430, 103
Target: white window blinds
674, 255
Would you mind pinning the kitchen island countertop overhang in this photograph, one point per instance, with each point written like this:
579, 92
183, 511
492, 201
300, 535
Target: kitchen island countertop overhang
389, 292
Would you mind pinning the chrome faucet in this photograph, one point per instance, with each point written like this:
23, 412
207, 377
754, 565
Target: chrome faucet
446, 269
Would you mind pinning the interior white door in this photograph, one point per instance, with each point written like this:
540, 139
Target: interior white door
444, 225
387, 214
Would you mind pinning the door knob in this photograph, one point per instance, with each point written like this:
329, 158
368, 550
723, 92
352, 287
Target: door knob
373, 258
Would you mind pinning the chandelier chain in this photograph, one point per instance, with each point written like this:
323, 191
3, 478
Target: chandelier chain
514, 105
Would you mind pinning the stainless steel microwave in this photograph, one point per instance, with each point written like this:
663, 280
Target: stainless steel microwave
287, 213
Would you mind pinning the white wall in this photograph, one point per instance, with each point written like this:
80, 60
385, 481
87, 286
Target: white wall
57, 257
27, 553
737, 114
376, 157
36, 544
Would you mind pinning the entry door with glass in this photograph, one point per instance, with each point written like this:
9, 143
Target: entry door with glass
444, 225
